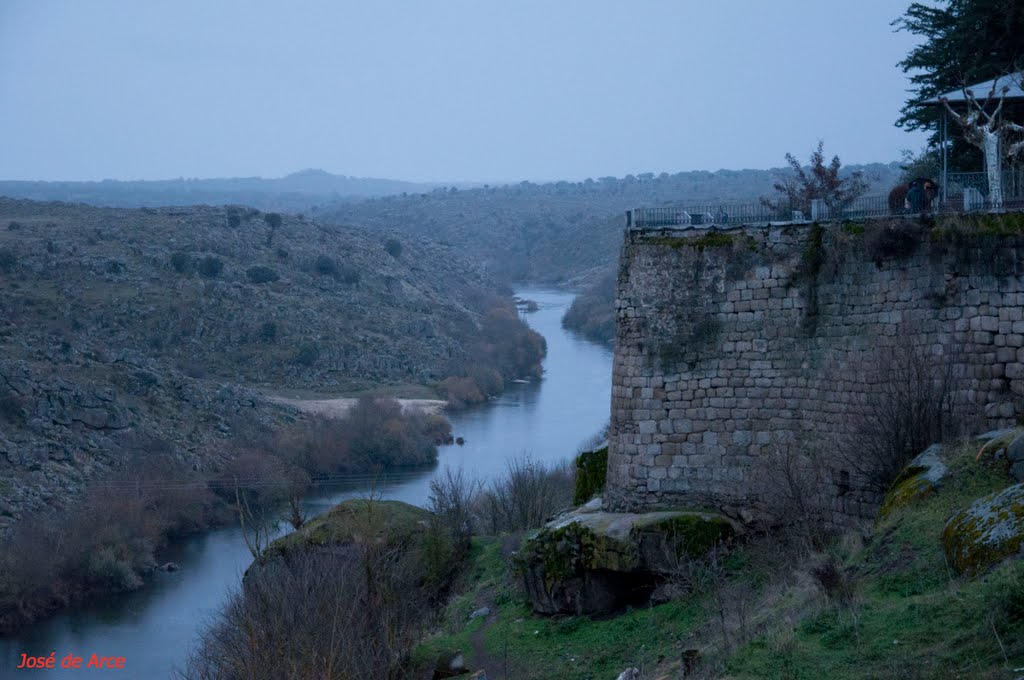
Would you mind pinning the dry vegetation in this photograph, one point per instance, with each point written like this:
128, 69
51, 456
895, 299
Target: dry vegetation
110, 539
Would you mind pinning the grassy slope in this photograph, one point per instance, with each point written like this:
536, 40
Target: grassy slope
914, 617
909, 616
514, 643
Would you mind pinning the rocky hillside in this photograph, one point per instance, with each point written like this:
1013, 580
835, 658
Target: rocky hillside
119, 326
235, 294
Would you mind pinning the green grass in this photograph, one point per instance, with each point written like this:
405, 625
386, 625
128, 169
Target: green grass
531, 646
910, 615
913, 617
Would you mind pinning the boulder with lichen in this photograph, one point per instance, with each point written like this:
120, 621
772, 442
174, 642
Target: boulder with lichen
919, 478
987, 532
589, 561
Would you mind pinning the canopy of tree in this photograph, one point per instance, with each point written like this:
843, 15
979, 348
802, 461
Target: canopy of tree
964, 42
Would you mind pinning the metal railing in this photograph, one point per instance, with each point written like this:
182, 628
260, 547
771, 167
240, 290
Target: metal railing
966, 192
722, 214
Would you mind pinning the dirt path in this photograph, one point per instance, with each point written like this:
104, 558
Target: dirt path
337, 408
494, 664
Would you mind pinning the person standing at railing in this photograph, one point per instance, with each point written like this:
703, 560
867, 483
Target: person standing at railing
920, 195
915, 197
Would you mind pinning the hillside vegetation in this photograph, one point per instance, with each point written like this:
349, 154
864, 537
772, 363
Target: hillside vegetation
235, 294
560, 232
112, 319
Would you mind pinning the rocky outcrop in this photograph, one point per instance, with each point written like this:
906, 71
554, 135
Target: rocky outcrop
990, 530
356, 519
918, 479
589, 561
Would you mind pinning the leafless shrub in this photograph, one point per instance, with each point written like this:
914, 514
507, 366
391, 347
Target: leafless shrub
343, 611
336, 613
526, 496
452, 498
729, 602
106, 541
916, 402
838, 584
296, 516
460, 391
794, 477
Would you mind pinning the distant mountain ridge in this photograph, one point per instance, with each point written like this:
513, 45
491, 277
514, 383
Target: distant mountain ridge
292, 193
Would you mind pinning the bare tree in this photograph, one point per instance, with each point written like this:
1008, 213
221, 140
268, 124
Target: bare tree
794, 475
296, 516
452, 499
256, 524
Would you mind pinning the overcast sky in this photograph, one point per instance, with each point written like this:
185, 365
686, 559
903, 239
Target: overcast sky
443, 90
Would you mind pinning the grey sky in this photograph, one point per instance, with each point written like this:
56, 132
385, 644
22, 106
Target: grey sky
444, 90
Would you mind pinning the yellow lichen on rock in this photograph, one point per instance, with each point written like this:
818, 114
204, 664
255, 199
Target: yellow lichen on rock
990, 530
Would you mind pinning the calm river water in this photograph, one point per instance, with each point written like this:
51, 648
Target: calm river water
155, 627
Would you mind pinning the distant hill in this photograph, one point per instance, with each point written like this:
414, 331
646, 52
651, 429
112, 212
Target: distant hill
296, 192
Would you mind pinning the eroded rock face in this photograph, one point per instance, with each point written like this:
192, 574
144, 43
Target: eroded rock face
589, 561
990, 530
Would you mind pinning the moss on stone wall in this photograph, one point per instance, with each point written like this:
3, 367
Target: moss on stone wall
562, 553
693, 534
1006, 224
710, 239
591, 469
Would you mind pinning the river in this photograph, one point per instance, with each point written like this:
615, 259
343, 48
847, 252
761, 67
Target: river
155, 627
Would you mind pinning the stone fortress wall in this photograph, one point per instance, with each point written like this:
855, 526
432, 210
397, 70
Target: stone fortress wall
733, 343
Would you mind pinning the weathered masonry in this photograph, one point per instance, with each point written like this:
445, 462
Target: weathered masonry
732, 343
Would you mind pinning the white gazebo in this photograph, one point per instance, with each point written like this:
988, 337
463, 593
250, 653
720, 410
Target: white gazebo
1007, 88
